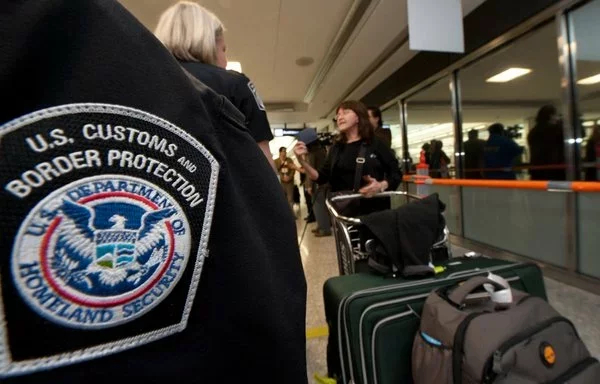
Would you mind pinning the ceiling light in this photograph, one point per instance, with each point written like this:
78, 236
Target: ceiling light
234, 66
590, 80
508, 75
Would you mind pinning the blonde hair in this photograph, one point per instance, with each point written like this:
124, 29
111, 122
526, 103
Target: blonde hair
190, 32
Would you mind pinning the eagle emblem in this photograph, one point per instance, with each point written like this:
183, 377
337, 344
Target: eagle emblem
118, 257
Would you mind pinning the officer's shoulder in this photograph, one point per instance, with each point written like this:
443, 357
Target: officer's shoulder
238, 77
214, 70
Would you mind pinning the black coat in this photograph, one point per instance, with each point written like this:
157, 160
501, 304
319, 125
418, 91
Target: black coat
237, 310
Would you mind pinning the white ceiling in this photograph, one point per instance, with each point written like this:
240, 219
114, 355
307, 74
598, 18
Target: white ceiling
267, 36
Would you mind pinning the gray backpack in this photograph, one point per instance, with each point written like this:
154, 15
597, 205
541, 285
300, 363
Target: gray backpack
500, 335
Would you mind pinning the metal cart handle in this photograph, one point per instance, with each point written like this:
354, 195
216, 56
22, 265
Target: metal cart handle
353, 220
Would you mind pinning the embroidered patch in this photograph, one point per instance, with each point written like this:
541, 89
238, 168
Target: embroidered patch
259, 101
99, 252
105, 232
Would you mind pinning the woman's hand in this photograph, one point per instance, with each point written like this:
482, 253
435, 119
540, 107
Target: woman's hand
373, 187
300, 150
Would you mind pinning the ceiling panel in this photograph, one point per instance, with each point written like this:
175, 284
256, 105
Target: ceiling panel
267, 36
306, 29
386, 21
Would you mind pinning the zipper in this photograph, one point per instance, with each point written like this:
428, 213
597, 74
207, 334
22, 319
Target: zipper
458, 347
493, 363
361, 337
380, 324
574, 370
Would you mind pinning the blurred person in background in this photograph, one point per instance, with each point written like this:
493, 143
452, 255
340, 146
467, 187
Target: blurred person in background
592, 155
474, 150
439, 160
286, 170
500, 153
546, 145
377, 122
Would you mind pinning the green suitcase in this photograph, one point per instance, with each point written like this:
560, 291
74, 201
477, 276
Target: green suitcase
373, 319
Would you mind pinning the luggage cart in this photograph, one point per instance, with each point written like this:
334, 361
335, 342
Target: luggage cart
346, 230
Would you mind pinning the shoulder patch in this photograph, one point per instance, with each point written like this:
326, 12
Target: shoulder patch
259, 101
105, 233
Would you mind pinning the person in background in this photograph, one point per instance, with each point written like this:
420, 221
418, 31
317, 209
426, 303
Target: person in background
286, 169
306, 191
439, 161
500, 152
316, 158
592, 155
474, 150
426, 150
195, 36
380, 168
546, 145
376, 121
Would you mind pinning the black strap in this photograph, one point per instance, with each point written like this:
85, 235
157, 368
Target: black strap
360, 162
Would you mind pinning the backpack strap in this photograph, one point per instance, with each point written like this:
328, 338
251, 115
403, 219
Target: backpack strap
334, 155
360, 162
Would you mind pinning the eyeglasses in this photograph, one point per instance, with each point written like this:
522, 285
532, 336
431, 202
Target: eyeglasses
341, 112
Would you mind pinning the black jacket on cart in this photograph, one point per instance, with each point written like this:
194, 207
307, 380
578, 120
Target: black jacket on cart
406, 234
137, 225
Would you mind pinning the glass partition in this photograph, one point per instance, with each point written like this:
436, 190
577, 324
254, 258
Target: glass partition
430, 128
588, 227
524, 222
391, 121
511, 110
585, 32
512, 125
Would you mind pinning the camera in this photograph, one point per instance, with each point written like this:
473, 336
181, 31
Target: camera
325, 138
514, 132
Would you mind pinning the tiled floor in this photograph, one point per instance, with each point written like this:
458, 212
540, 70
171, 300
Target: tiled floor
320, 263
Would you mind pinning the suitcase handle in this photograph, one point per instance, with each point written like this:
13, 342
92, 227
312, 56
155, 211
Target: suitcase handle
460, 293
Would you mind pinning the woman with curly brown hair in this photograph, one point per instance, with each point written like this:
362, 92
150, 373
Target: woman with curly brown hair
356, 144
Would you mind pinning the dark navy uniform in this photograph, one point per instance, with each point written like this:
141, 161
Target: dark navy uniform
240, 91
128, 251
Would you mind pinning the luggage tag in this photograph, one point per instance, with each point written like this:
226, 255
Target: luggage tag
324, 380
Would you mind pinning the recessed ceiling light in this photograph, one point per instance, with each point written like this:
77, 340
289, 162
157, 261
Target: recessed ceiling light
234, 66
590, 80
508, 75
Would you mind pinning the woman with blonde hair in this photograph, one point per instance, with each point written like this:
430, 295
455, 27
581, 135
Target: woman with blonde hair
195, 36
